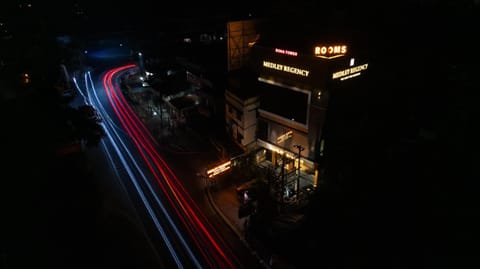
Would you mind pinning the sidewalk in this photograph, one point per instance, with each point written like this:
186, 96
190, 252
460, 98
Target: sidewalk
225, 203
223, 198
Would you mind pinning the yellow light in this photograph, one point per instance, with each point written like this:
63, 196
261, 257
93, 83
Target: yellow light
26, 78
284, 137
330, 52
219, 169
286, 68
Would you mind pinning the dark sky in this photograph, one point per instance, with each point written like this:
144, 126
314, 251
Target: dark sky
286, 12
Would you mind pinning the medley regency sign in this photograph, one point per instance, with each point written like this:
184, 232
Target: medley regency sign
349, 72
286, 68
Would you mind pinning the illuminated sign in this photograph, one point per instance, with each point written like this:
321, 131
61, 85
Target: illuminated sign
219, 169
330, 52
286, 52
286, 68
349, 72
284, 137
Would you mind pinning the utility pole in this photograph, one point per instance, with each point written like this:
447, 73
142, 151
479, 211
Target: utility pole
282, 174
141, 64
300, 149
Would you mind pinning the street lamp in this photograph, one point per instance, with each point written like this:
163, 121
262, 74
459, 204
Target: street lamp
300, 149
141, 63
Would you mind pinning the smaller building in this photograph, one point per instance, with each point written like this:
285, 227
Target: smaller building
241, 104
181, 106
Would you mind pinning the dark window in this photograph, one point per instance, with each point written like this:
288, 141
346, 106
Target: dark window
239, 114
287, 103
262, 130
239, 138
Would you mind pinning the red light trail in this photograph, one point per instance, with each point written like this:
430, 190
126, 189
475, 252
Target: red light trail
208, 243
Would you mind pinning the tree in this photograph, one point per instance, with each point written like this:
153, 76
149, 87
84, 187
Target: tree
85, 126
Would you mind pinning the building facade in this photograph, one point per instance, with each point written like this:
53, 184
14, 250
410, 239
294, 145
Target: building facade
293, 85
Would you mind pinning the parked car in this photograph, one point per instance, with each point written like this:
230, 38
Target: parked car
90, 112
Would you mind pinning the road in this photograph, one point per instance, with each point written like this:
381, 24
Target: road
183, 228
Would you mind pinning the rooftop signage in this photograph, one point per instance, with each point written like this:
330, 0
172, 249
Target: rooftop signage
349, 72
286, 68
286, 52
330, 52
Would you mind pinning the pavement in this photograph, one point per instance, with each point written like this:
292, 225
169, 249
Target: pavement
226, 204
224, 201
223, 198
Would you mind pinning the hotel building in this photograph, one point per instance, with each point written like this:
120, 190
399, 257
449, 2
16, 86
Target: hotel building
289, 95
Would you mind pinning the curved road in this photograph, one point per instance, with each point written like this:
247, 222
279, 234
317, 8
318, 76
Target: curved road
182, 234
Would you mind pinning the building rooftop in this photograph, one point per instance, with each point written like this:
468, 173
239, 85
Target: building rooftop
184, 101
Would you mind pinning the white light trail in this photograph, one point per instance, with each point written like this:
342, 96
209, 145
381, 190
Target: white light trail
121, 149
